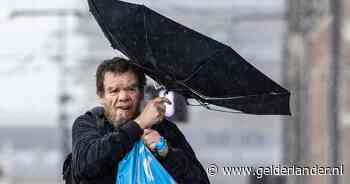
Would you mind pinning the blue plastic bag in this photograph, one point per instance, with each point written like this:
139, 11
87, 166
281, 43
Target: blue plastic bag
139, 166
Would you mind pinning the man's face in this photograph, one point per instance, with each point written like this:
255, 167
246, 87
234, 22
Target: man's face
121, 97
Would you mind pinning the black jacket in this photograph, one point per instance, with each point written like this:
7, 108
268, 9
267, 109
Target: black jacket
98, 147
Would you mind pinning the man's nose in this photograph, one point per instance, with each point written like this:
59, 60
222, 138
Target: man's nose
123, 95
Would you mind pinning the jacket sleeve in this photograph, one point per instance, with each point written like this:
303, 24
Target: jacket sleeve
181, 161
94, 153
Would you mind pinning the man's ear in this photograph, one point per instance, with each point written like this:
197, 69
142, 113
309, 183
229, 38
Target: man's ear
142, 99
100, 99
142, 96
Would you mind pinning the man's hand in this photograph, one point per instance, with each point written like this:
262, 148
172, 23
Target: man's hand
151, 138
153, 112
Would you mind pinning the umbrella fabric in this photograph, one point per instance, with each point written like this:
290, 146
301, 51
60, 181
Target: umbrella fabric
186, 61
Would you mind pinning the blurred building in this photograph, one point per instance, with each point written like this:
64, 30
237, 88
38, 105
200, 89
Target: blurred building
346, 90
317, 73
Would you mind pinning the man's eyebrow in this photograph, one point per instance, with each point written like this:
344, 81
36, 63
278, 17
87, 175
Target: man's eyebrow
134, 85
110, 88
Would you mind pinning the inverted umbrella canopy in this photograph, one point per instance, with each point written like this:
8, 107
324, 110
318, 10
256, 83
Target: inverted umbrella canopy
186, 61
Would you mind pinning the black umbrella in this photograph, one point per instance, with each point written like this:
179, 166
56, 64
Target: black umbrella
186, 61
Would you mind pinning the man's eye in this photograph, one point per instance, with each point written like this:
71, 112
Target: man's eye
132, 89
114, 91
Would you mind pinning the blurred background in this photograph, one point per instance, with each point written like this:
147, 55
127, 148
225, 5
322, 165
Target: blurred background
49, 51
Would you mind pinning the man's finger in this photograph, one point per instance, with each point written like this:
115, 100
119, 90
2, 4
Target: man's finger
148, 141
146, 132
152, 146
161, 107
162, 100
158, 99
165, 100
161, 110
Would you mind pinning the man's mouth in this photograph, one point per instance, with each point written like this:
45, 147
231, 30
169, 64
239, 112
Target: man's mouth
125, 108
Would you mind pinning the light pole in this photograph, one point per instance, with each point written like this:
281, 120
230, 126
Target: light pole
335, 76
61, 57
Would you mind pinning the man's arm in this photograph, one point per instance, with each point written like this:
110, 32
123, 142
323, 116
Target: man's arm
181, 161
93, 153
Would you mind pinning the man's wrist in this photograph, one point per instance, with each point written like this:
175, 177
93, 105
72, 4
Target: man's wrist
140, 123
163, 153
162, 147
132, 129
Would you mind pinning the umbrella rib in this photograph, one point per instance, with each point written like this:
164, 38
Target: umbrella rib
206, 105
201, 65
226, 98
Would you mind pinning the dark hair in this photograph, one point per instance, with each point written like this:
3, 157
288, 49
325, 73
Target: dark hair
117, 65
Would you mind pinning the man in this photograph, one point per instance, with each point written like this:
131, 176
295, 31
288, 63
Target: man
104, 135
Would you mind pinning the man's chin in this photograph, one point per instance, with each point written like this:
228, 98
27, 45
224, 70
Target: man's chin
119, 122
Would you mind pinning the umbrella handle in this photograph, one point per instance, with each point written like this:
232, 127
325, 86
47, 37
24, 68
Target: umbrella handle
159, 87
